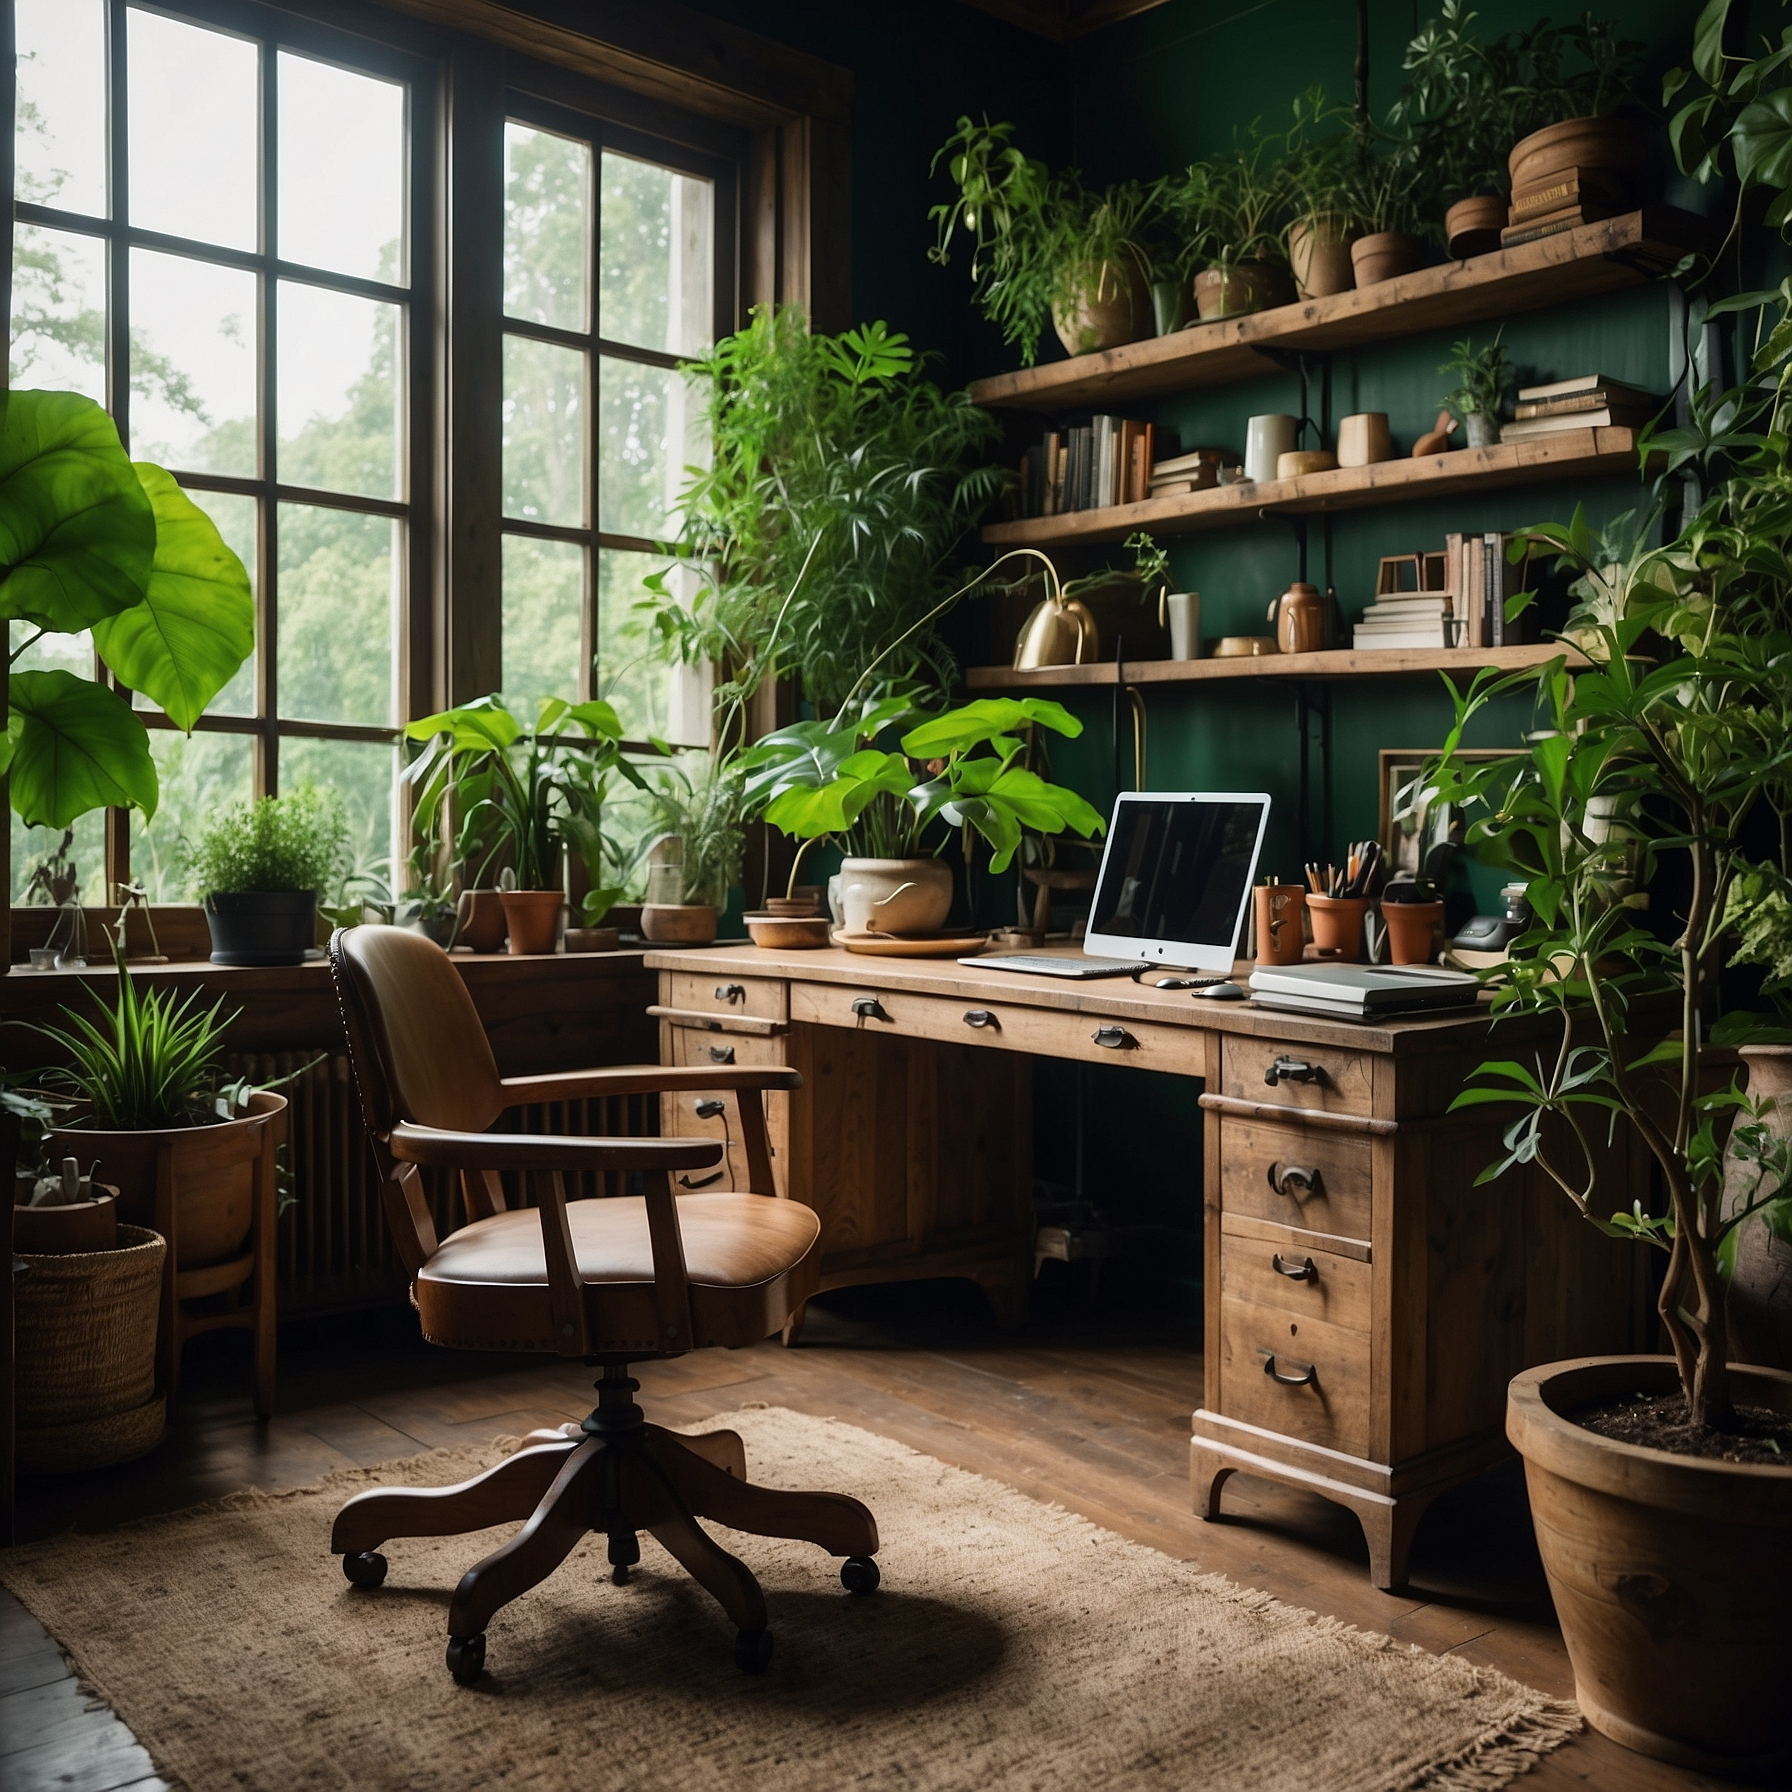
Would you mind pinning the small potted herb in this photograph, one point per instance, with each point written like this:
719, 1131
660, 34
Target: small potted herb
1315, 171
1483, 379
1233, 207
428, 906
694, 861
259, 869
1383, 194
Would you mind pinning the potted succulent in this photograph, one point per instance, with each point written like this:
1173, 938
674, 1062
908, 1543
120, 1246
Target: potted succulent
695, 860
1483, 379
259, 868
1661, 1487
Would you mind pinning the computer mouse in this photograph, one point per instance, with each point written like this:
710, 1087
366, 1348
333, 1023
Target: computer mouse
1222, 992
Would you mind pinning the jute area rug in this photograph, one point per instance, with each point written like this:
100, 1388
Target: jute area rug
1011, 1645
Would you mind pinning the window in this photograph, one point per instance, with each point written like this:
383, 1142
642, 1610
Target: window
614, 270
235, 280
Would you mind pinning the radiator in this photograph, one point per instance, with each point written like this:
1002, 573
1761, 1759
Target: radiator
335, 1252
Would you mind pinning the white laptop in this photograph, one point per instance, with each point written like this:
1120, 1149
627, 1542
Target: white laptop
1174, 889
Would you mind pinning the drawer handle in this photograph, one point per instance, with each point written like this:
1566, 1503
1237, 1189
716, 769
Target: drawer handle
1305, 1379
731, 992
709, 1108
702, 1181
1291, 1070
1304, 1271
868, 1008
1296, 1181
981, 1017
721, 1054
1115, 1039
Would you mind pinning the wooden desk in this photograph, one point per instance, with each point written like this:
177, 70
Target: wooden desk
1366, 1304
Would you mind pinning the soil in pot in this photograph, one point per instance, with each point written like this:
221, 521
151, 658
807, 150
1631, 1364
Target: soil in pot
1385, 255
532, 918
1661, 1422
261, 926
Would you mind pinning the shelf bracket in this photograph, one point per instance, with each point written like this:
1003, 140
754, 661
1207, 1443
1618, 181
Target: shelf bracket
1298, 524
1306, 362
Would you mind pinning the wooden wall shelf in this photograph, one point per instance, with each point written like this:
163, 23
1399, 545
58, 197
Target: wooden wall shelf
1571, 454
1630, 250
1343, 662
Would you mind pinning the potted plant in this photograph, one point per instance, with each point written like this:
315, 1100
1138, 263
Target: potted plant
517, 792
428, 906
1382, 193
1577, 110
1234, 207
696, 858
1045, 246
1412, 911
1315, 168
1661, 1488
259, 869
1483, 379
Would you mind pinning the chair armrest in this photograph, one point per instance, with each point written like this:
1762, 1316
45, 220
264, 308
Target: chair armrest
644, 1079
545, 1151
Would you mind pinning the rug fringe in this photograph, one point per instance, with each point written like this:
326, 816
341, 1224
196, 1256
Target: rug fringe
1513, 1748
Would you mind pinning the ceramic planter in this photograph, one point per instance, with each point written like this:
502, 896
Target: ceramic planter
1171, 301
261, 926
894, 895
1412, 930
1114, 309
1614, 144
532, 918
1242, 287
1760, 1297
1671, 1575
480, 917
1385, 255
1481, 429
593, 939
73, 1226
1319, 255
1338, 926
1473, 226
679, 923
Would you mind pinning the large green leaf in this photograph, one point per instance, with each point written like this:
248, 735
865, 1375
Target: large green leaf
196, 625
1762, 140
71, 746
77, 532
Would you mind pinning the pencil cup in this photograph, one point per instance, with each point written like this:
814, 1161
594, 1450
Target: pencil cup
1182, 609
1338, 926
1279, 939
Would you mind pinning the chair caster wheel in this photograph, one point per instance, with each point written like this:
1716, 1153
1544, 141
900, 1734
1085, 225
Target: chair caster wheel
619, 1575
753, 1651
365, 1568
860, 1574
466, 1657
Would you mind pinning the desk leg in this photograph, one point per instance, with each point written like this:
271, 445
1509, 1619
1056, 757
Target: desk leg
1009, 1292
793, 1326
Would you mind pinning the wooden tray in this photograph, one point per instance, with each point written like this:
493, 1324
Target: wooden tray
912, 945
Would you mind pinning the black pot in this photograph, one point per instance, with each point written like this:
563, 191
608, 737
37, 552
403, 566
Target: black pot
262, 926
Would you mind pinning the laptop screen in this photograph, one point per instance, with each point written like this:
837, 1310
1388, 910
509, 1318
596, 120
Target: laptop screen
1176, 877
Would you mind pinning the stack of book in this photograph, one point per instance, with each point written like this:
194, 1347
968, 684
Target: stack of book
1091, 466
1569, 197
1412, 619
1469, 610
1196, 471
1588, 401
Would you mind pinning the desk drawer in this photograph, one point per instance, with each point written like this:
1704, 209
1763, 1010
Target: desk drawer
1286, 1270
1306, 1076
680, 1119
699, 1046
722, 992
1323, 1391
1310, 1177
1006, 1026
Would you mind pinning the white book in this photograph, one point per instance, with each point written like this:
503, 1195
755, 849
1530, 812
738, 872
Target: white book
1364, 989
1582, 382
1373, 639
1535, 427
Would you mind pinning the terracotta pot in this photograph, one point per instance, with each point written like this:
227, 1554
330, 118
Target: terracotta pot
894, 895
1671, 1575
1280, 937
1319, 255
1412, 930
1760, 1298
1473, 226
679, 923
1385, 255
533, 920
592, 939
1115, 309
481, 918
1241, 287
214, 1208
78, 1226
1615, 144
1338, 926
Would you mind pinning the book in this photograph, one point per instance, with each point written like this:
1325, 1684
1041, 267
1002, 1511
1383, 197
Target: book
1514, 235
1430, 603
1572, 186
1614, 397
1371, 640
1195, 459
1534, 428
1579, 212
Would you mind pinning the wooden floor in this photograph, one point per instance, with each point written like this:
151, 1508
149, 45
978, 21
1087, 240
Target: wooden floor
1087, 1409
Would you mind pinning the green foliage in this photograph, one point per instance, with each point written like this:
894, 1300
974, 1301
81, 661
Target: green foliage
1231, 208
1483, 377
90, 541
1318, 153
1386, 185
293, 842
705, 813
842, 483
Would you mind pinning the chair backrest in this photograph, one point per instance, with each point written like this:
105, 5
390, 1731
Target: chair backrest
415, 1041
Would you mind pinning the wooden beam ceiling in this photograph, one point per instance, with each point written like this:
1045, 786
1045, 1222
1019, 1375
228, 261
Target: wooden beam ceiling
1061, 20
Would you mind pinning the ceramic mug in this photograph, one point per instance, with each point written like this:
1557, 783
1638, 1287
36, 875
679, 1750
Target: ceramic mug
1183, 611
1364, 439
1267, 439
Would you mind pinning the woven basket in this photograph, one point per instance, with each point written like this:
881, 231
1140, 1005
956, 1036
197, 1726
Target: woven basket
85, 1386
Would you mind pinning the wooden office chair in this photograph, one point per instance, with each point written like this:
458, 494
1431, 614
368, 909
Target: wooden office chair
612, 1281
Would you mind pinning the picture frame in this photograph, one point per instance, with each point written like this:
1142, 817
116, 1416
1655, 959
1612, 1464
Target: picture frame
1410, 837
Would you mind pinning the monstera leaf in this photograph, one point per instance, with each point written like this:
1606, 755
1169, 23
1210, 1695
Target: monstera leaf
196, 624
72, 745
77, 530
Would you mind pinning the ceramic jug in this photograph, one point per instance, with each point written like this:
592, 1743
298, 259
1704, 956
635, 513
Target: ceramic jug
1299, 617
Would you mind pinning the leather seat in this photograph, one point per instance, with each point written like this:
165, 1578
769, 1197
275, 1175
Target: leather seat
750, 1260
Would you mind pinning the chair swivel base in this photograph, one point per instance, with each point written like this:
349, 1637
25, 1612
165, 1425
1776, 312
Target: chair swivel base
616, 1474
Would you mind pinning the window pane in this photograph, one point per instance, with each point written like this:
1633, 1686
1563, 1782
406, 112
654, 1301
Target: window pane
658, 257
61, 119
364, 774
547, 227
652, 426
544, 432
192, 364
652, 698
342, 167
202, 775
195, 111
544, 610
59, 311
235, 518
339, 392
338, 598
